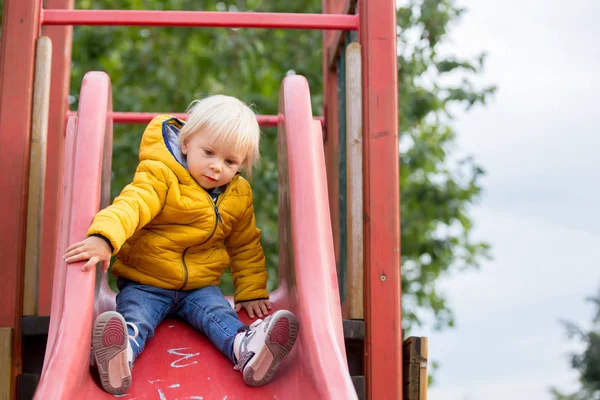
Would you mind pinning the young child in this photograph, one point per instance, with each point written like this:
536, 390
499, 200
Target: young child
184, 219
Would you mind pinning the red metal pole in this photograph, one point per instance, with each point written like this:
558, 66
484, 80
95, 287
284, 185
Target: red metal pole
20, 31
383, 317
199, 18
144, 118
61, 37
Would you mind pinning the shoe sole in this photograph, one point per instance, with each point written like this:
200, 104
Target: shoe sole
109, 347
279, 341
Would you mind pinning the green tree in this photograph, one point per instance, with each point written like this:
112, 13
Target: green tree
164, 69
435, 192
586, 363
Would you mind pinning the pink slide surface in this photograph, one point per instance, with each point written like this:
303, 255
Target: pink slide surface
179, 363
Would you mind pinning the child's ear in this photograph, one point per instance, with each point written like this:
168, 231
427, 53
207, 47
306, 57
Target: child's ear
184, 146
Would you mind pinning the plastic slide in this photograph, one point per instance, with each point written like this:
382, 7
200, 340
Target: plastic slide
179, 363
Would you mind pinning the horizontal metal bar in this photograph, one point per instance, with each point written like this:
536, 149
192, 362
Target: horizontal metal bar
144, 118
200, 18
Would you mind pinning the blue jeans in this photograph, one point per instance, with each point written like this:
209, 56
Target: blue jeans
206, 309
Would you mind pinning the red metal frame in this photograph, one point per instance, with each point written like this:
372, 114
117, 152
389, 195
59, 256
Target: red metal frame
199, 18
145, 117
61, 37
20, 31
383, 315
377, 22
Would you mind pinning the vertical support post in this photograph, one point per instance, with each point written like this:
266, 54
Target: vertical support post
415, 368
37, 174
5, 362
61, 37
383, 366
21, 26
354, 167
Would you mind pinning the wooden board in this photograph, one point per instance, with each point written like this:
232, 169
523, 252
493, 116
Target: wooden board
37, 174
354, 176
5, 362
21, 24
415, 376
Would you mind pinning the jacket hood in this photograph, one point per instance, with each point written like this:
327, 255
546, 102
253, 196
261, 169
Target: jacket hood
160, 142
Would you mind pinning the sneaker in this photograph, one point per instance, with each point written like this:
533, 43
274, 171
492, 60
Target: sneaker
112, 351
260, 350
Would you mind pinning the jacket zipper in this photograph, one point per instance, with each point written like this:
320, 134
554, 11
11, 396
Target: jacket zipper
185, 268
214, 229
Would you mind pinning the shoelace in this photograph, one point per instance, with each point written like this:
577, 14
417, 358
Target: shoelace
246, 356
259, 321
255, 323
136, 333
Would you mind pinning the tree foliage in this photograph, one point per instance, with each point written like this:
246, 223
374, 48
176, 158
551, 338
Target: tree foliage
586, 363
164, 69
435, 192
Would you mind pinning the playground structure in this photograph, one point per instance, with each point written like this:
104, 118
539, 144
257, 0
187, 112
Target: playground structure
57, 175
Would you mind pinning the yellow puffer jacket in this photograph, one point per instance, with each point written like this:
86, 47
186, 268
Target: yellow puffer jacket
167, 231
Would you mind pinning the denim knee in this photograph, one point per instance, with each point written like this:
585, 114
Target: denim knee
208, 311
145, 307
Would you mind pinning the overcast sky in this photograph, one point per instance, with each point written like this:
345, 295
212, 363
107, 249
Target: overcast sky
539, 141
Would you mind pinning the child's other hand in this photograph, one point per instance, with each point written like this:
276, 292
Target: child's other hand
93, 249
259, 308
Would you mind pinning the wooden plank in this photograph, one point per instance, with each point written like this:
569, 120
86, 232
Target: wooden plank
35, 326
354, 189
37, 174
360, 386
415, 377
332, 132
20, 31
27, 384
21, 25
331, 141
354, 329
423, 370
61, 37
5, 362
381, 211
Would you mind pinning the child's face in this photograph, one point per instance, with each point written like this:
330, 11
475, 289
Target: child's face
210, 164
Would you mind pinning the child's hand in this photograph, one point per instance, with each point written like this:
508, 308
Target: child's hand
93, 249
259, 307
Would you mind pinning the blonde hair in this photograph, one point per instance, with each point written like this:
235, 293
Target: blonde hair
226, 121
